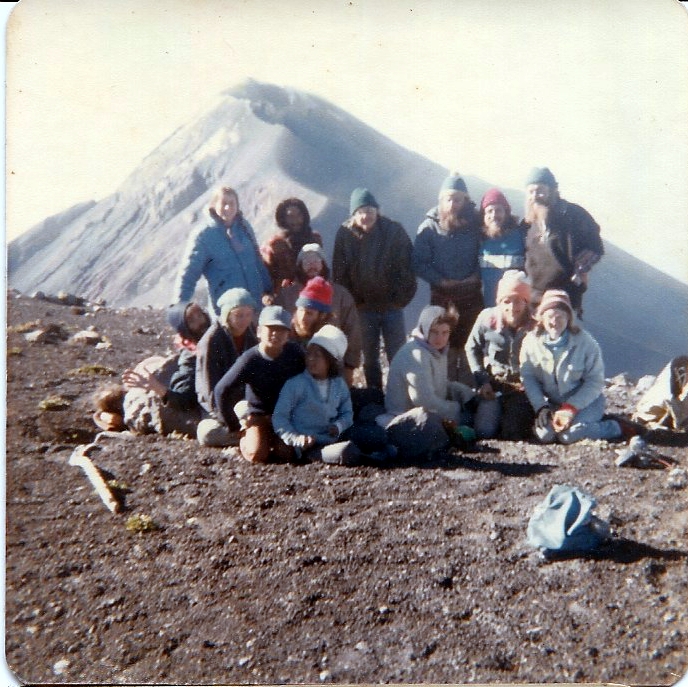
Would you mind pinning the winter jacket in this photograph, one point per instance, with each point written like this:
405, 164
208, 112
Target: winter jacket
577, 378
263, 378
375, 266
418, 378
497, 255
551, 258
301, 410
215, 354
441, 255
227, 258
493, 348
280, 251
344, 315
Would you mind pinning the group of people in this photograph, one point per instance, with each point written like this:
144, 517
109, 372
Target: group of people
270, 366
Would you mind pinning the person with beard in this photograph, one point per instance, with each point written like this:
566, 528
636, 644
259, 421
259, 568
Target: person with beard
313, 310
492, 351
445, 254
281, 250
225, 252
502, 246
372, 260
311, 263
562, 241
230, 335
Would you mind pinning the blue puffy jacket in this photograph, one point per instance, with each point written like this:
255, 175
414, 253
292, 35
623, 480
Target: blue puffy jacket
227, 258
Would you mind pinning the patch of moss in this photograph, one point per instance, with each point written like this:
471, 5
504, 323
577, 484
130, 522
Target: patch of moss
54, 403
141, 523
93, 370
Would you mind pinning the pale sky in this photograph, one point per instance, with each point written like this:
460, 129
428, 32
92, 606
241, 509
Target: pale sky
597, 91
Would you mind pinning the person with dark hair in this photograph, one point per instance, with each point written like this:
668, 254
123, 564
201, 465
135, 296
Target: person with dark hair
563, 376
281, 250
225, 252
372, 260
502, 246
445, 254
262, 370
562, 241
230, 335
159, 395
311, 263
313, 310
492, 350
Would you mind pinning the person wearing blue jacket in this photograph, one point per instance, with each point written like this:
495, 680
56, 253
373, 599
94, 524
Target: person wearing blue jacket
225, 252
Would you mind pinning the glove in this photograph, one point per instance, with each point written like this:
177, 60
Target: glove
544, 417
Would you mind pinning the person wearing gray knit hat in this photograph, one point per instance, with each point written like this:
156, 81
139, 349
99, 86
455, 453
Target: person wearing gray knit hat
445, 255
562, 240
234, 298
372, 260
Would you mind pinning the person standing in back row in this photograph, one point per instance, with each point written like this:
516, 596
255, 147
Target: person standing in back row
372, 259
562, 241
445, 254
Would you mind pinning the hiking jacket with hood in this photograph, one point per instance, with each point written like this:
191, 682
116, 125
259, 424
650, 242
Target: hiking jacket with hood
227, 258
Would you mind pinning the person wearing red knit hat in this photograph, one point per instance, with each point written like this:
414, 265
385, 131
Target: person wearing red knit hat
492, 351
313, 309
503, 245
563, 376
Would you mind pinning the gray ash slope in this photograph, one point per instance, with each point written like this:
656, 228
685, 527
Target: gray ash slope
313, 573
272, 143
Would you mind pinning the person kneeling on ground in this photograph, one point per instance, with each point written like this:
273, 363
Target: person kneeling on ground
563, 376
263, 370
158, 395
492, 351
227, 338
314, 413
418, 377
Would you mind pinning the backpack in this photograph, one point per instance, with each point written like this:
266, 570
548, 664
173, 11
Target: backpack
563, 522
665, 403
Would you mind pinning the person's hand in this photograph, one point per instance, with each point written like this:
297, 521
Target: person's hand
563, 418
333, 430
308, 441
486, 392
544, 417
268, 299
143, 380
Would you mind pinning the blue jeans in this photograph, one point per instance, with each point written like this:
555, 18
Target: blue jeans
389, 323
588, 424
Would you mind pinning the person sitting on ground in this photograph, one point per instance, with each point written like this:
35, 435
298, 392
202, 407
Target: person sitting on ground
230, 335
225, 252
311, 263
503, 244
263, 370
159, 395
492, 351
281, 250
314, 413
418, 376
563, 376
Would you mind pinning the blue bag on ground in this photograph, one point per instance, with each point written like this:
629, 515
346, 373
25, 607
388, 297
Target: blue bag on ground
564, 522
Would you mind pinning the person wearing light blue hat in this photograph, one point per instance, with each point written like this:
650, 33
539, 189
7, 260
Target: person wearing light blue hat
230, 335
562, 240
372, 260
445, 254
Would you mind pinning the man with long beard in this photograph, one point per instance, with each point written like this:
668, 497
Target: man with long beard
445, 254
562, 241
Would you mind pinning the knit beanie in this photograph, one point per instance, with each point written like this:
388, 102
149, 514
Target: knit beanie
495, 197
513, 283
541, 175
361, 197
453, 183
234, 298
311, 248
555, 298
332, 339
176, 319
317, 294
